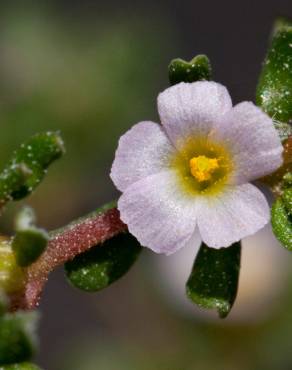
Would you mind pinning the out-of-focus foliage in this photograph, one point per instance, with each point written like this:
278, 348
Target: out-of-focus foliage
187, 344
3, 302
89, 80
11, 275
17, 337
22, 366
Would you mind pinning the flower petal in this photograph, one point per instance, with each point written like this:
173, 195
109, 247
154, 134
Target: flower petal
239, 212
144, 150
253, 141
158, 213
188, 109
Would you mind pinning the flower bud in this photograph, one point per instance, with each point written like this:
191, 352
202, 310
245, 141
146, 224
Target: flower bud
12, 277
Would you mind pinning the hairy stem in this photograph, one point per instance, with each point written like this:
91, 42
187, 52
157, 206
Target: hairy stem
63, 246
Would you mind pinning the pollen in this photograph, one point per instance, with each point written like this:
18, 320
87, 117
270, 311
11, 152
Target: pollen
202, 167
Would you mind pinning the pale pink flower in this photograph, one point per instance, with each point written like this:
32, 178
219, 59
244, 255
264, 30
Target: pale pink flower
192, 174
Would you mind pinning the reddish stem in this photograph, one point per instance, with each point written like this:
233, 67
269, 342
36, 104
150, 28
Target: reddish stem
64, 245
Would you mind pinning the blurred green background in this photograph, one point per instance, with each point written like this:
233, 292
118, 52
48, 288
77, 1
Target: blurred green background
91, 70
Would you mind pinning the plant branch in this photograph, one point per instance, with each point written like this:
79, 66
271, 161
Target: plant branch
64, 245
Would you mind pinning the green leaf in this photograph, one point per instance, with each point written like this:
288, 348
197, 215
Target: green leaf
99, 267
28, 245
287, 200
29, 241
214, 278
274, 91
199, 68
282, 222
28, 165
11, 179
22, 366
17, 337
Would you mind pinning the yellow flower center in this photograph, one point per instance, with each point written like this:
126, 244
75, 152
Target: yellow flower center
202, 167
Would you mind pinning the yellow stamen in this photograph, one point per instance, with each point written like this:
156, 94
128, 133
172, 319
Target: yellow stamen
202, 167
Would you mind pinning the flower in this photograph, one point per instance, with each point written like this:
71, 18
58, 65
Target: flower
191, 174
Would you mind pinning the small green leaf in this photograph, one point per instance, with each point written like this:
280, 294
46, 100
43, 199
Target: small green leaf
17, 337
274, 91
214, 278
97, 268
28, 165
199, 68
22, 366
11, 179
282, 222
29, 241
28, 245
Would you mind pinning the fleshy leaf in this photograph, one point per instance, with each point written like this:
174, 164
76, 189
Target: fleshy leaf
22, 366
274, 91
199, 68
282, 221
28, 245
11, 179
97, 268
17, 340
29, 241
214, 278
28, 165
287, 200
